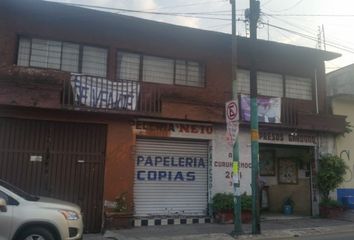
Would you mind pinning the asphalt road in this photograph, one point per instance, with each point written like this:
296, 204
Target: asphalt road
331, 236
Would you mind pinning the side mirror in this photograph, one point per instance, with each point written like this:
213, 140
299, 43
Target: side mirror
3, 205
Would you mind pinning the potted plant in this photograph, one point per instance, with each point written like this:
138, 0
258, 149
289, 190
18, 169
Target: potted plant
331, 171
246, 208
118, 216
288, 205
223, 207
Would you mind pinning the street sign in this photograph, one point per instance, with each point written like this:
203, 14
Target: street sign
232, 120
232, 113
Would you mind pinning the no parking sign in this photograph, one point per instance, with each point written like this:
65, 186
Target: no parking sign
232, 120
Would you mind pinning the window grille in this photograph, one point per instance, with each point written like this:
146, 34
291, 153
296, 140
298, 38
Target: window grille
94, 61
243, 81
299, 88
159, 70
270, 84
189, 73
128, 66
62, 56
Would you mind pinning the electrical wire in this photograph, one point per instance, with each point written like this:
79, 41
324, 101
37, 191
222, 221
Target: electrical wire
289, 8
343, 48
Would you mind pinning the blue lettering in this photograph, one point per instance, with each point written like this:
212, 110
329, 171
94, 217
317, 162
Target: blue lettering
179, 176
190, 176
139, 177
181, 162
166, 162
139, 160
148, 161
201, 163
189, 162
162, 174
158, 160
173, 164
152, 175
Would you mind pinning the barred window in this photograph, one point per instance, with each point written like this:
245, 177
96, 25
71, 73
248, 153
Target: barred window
270, 84
128, 66
297, 87
243, 81
159, 70
94, 61
34, 52
189, 73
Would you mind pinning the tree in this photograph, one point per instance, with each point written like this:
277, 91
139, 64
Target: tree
330, 175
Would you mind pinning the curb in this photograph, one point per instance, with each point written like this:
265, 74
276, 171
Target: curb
299, 232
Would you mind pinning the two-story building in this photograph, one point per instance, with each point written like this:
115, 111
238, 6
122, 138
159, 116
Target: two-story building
341, 93
97, 106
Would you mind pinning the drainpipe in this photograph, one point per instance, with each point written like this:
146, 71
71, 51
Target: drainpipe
316, 91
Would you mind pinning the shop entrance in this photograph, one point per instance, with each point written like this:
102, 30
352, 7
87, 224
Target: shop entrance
285, 172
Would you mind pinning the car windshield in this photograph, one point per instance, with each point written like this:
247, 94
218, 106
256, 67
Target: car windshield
18, 191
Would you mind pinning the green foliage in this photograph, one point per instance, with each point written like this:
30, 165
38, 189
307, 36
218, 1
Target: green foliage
223, 202
330, 174
121, 204
246, 202
330, 203
289, 201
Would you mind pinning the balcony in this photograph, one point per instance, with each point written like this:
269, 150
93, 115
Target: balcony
97, 94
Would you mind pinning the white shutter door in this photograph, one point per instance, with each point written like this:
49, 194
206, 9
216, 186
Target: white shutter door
171, 177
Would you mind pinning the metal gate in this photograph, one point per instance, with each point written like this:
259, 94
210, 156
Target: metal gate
56, 159
171, 177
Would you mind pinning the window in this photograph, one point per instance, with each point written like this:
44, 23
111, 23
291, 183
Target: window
62, 56
157, 70
270, 84
243, 81
128, 66
94, 61
299, 88
136, 67
189, 73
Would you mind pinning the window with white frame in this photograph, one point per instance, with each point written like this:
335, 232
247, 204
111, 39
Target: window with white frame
43, 53
136, 67
297, 87
270, 84
243, 81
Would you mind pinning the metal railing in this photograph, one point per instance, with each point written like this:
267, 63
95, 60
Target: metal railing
90, 93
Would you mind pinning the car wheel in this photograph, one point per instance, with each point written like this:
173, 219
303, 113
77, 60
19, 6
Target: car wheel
36, 234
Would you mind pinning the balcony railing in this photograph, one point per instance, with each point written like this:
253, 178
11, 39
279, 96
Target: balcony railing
91, 93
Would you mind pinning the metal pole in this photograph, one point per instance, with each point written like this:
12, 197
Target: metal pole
235, 150
254, 15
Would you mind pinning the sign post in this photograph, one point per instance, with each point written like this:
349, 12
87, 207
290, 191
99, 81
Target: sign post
232, 125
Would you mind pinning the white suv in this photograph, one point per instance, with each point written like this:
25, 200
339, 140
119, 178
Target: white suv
25, 217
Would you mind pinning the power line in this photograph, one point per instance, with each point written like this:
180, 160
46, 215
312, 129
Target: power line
191, 15
312, 38
310, 15
286, 9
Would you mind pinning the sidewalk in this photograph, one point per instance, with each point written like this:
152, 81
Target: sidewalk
272, 228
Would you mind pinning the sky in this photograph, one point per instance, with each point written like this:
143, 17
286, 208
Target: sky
297, 22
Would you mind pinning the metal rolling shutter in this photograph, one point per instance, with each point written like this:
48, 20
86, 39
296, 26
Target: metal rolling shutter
163, 186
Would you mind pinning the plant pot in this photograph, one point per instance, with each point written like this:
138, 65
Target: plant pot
224, 217
330, 212
246, 216
118, 220
288, 209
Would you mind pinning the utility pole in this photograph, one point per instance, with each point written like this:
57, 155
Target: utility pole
254, 16
235, 149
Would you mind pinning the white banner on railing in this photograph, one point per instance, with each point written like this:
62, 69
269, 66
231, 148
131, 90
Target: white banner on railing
98, 92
